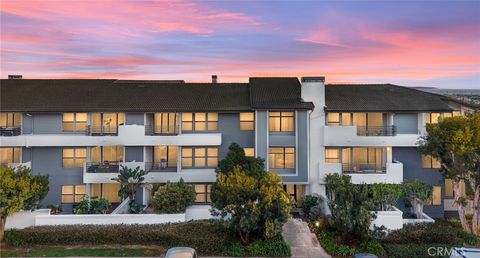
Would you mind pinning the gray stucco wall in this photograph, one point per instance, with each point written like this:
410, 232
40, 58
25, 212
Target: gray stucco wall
406, 123
301, 150
48, 160
134, 118
412, 169
133, 153
229, 127
261, 146
42, 123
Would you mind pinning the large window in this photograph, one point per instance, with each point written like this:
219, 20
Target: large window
106, 154
72, 193
9, 155
436, 196
449, 187
281, 157
199, 122
430, 162
332, 155
247, 121
199, 157
165, 123
357, 119
74, 122
203, 193
106, 123
74, 157
166, 154
434, 117
295, 191
107, 191
249, 152
281, 121
358, 159
10, 119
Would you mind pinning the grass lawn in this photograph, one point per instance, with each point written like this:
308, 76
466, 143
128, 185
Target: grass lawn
57, 251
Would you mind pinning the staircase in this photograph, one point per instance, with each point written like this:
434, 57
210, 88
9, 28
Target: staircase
302, 242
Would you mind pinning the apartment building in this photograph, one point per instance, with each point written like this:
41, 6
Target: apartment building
81, 132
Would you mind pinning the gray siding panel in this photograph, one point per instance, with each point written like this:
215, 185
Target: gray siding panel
46, 123
48, 160
133, 153
281, 139
229, 127
406, 123
412, 169
134, 118
261, 146
301, 149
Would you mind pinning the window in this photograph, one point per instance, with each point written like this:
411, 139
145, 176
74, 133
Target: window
333, 119
199, 157
456, 113
281, 121
106, 123
165, 123
73, 157
202, 193
74, 122
166, 153
10, 119
281, 157
433, 118
295, 191
449, 187
249, 152
436, 196
9, 155
102, 154
72, 193
247, 121
107, 191
199, 122
430, 162
332, 155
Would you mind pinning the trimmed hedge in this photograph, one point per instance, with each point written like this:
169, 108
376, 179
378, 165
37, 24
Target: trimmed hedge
413, 250
207, 237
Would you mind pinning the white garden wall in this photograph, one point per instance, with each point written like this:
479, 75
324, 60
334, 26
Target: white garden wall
24, 219
107, 219
390, 219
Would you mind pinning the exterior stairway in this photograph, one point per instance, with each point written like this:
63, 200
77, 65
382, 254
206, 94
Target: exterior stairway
302, 242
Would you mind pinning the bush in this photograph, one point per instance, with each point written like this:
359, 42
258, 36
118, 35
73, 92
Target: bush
173, 197
92, 206
331, 247
412, 250
271, 247
207, 237
439, 232
372, 246
308, 201
234, 250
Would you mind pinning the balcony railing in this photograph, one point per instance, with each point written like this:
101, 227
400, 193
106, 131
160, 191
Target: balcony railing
159, 167
365, 168
10, 131
172, 130
102, 130
376, 130
103, 167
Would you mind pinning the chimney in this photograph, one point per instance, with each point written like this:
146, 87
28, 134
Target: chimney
214, 78
14, 76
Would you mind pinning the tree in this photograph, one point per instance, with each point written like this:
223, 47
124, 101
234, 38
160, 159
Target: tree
351, 207
33, 202
173, 197
385, 195
418, 193
455, 142
19, 189
130, 180
92, 206
251, 199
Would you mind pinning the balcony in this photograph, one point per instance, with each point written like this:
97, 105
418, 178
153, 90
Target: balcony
10, 131
103, 167
391, 173
172, 130
376, 130
159, 167
103, 172
101, 130
383, 136
15, 165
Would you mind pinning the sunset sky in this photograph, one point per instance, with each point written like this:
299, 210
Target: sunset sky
412, 43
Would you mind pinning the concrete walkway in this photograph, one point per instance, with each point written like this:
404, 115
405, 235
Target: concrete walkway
302, 242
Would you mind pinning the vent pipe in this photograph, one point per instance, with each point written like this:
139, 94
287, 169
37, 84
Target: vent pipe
14, 76
214, 78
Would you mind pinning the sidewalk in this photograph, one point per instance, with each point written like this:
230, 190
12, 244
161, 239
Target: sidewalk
302, 242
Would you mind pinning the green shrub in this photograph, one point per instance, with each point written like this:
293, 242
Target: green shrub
373, 247
173, 197
331, 247
412, 250
271, 247
92, 206
207, 237
439, 232
468, 239
308, 201
234, 250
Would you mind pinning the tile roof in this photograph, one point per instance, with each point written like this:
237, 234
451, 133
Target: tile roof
44, 95
381, 97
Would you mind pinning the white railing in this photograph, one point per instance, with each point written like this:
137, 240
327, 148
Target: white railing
392, 175
348, 136
123, 208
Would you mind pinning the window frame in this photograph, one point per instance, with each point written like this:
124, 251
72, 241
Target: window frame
206, 157
249, 149
75, 122
431, 161
284, 154
74, 194
207, 191
247, 121
210, 122
438, 200
281, 116
10, 119
16, 156
74, 157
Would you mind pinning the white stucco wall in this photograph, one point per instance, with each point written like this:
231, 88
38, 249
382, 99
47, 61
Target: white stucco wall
390, 219
107, 219
24, 219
